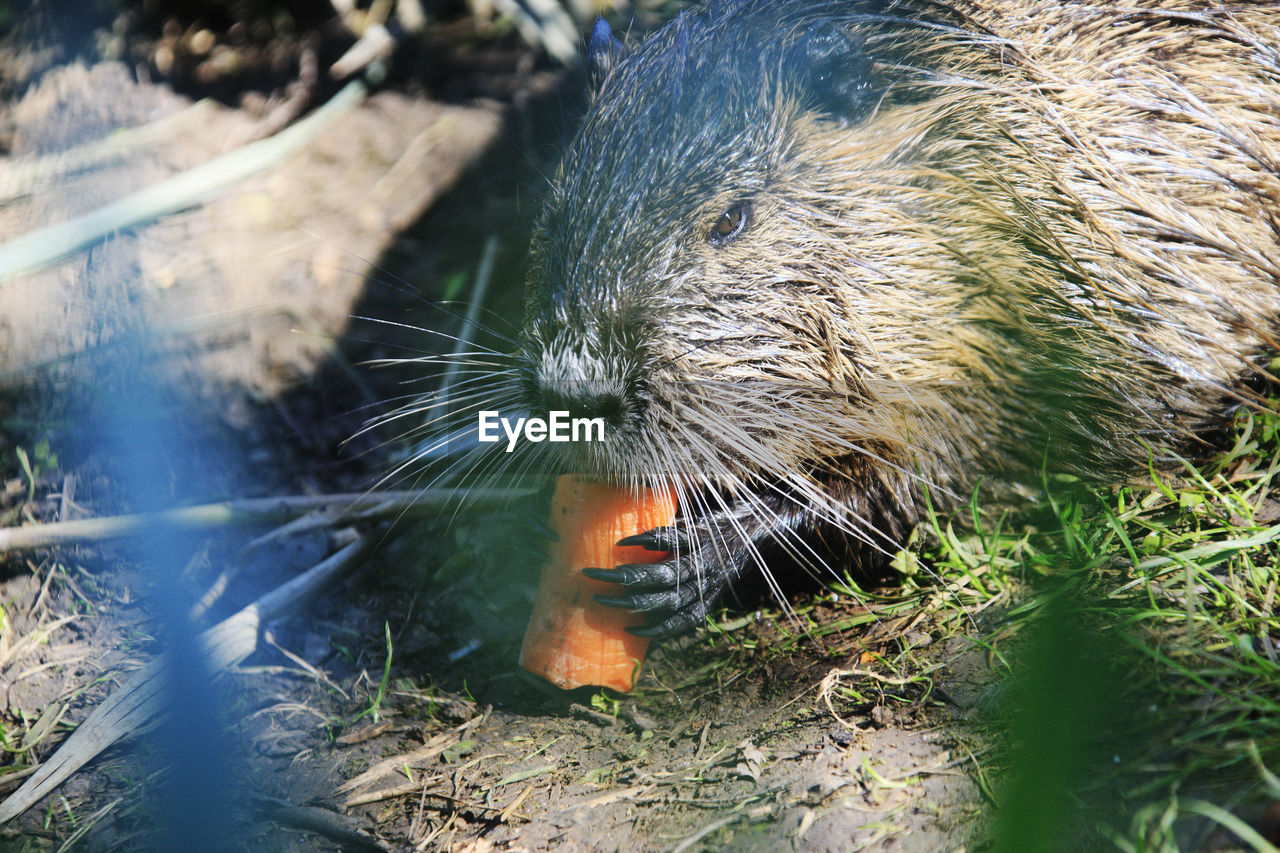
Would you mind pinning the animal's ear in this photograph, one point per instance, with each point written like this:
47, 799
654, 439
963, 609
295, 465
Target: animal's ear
603, 51
836, 72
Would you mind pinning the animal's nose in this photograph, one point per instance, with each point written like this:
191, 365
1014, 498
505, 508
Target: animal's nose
585, 398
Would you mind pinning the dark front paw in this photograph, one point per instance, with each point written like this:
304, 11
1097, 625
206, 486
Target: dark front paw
674, 594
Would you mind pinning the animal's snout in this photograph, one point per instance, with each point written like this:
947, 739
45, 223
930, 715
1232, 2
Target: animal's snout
584, 384
585, 398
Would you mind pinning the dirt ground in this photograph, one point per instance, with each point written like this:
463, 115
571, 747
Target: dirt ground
391, 714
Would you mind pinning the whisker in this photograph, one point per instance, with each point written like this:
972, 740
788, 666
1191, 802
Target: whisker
395, 324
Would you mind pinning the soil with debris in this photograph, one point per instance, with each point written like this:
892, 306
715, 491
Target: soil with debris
389, 715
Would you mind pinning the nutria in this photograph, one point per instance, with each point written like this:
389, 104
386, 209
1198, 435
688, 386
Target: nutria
817, 263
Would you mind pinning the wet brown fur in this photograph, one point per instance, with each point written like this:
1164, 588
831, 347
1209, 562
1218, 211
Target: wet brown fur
1062, 250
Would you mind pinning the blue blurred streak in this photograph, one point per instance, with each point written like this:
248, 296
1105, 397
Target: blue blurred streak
194, 806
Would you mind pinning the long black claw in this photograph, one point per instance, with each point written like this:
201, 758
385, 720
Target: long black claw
638, 575
649, 540
622, 602
630, 574
674, 592
659, 603
676, 623
608, 575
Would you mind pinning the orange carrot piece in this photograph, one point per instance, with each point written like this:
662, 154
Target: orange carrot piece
572, 640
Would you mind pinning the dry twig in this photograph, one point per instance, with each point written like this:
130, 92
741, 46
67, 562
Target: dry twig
138, 699
363, 506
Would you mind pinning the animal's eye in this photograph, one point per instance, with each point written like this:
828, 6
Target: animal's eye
731, 223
